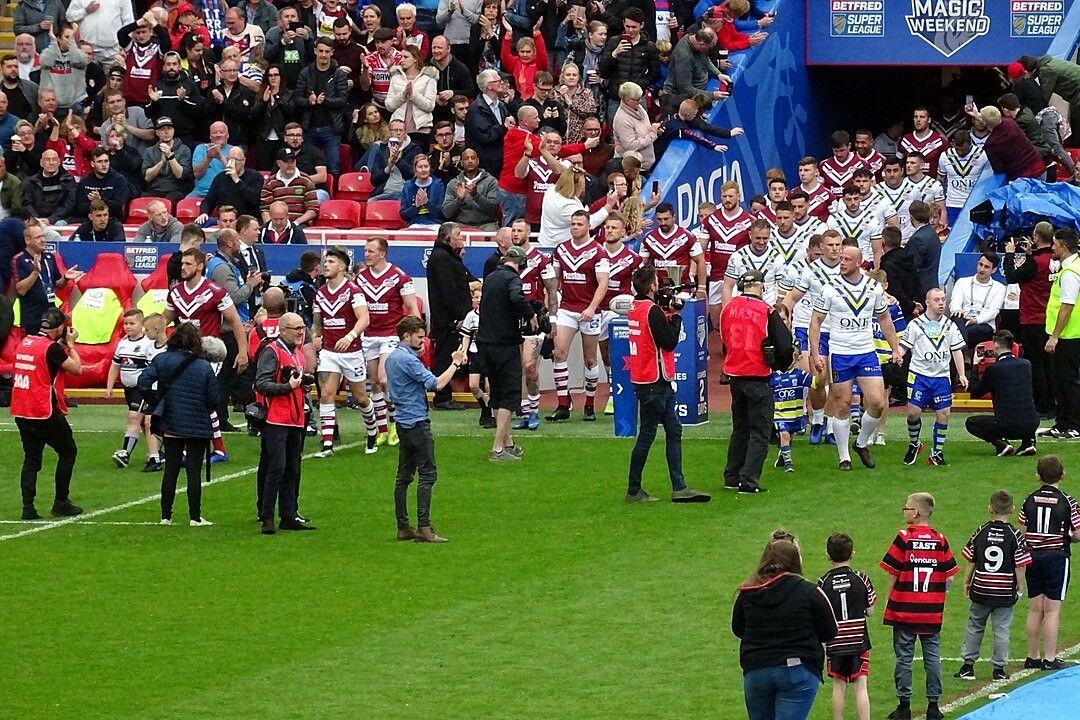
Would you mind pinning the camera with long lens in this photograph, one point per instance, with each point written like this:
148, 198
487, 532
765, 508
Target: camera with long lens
288, 372
543, 320
667, 296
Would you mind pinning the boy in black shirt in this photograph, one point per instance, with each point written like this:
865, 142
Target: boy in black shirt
852, 597
998, 557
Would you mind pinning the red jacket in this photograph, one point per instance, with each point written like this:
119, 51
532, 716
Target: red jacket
523, 73
729, 38
80, 150
513, 149
744, 324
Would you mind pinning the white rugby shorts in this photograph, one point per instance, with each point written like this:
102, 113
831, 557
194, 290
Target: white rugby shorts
349, 365
376, 347
571, 319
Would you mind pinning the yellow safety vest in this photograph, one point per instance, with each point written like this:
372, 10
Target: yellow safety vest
1072, 328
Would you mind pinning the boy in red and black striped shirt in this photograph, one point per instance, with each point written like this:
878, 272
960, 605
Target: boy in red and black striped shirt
852, 597
920, 567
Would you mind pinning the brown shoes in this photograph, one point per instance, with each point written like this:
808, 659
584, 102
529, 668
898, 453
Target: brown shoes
407, 533
427, 535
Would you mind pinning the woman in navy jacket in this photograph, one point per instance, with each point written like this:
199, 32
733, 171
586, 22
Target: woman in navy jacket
190, 395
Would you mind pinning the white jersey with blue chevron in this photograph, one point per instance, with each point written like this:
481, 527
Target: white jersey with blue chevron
884, 350
858, 228
896, 202
851, 307
791, 248
932, 342
959, 173
801, 312
810, 226
813, 281
769, 263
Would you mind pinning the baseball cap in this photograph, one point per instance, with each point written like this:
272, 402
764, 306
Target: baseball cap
749, 277
515, 253
163, 121
286, 153
1015, 70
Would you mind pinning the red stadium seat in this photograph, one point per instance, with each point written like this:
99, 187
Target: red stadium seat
137, 211
330, 185
342, 214
354, 186
110, 272
188, 209
385, 214
345, 157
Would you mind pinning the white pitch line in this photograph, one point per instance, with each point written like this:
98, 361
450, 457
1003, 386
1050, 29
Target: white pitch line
80, 519
998, 685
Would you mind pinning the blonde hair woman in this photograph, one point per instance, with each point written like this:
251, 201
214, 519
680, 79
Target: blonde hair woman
579, 102
561, 201
631, 127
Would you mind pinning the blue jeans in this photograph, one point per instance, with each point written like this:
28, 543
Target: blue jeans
329, 141
780, 693
656, 406
904, 647
513, 206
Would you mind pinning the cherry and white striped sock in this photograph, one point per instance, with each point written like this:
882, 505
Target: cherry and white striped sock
561, 371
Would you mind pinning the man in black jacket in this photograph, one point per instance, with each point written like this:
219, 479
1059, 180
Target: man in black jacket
51, 193
1030, 268
176, 96
900, 270
238, 185
1008, 378
449, 301
103, 184
454, 77
503, 309
924, 247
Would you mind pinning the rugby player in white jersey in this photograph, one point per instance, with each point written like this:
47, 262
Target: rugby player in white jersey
759, 255
851, 304
858, 223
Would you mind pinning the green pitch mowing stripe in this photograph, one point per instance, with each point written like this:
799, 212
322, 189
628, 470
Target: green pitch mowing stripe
554, 598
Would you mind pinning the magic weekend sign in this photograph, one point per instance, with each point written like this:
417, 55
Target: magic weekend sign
931, 32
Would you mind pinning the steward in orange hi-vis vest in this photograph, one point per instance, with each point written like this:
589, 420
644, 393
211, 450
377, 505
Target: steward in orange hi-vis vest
37, 404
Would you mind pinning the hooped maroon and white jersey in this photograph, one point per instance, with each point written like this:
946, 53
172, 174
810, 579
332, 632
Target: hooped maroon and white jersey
201, 306
379, 69
385, 294
621, 267
675, 249
930, 145
337, 309
578, 268
727, 233
536, 269
837, 175
818, 200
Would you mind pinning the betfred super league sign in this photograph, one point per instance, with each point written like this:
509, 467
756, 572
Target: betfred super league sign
931, 32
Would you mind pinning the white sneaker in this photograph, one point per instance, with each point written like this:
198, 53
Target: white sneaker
165, 521
121, 459
201, 522
327, 451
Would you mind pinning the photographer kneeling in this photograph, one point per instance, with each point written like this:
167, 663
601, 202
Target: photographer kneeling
280, 379
655, 324
503, 313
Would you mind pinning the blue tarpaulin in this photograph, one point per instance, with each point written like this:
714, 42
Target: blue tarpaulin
1053, 696
1024, 202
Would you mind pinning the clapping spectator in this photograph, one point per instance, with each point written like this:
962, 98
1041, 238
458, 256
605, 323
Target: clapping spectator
98, 22
422, 197
232, 103
457, 18
578, 100
144, 44
166, 167
70, 140
488, 121
472, 198
411, 97
177, 97
104, 184
100, 227
486, 38
322, 97
454, 77
50, 194
160, 226
272, 112
445, 153
408, 34
531, 58
632, 128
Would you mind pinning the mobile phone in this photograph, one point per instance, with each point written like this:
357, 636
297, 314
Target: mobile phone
655, 186
294, 26
626, 37
969, 101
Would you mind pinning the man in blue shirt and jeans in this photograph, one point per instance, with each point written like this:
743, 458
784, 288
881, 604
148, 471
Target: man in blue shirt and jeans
409, 382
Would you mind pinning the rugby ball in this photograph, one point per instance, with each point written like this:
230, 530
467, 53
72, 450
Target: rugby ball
620, 304
213, 349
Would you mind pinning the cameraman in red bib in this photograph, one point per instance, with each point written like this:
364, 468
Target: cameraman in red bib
654, 333
37, 404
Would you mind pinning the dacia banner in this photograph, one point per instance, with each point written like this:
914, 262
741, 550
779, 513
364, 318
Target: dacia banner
933, 32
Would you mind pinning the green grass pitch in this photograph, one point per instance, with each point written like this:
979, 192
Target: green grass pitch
554, 598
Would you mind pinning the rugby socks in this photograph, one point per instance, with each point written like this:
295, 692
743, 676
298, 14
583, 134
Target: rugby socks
368, 413
379, 400
327, 419
389, 413
592, 376
914, 429
855, 414
534, 403
867, 429
215, 425
817, 417
841, 429
130, 441
561, 371
939, 436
